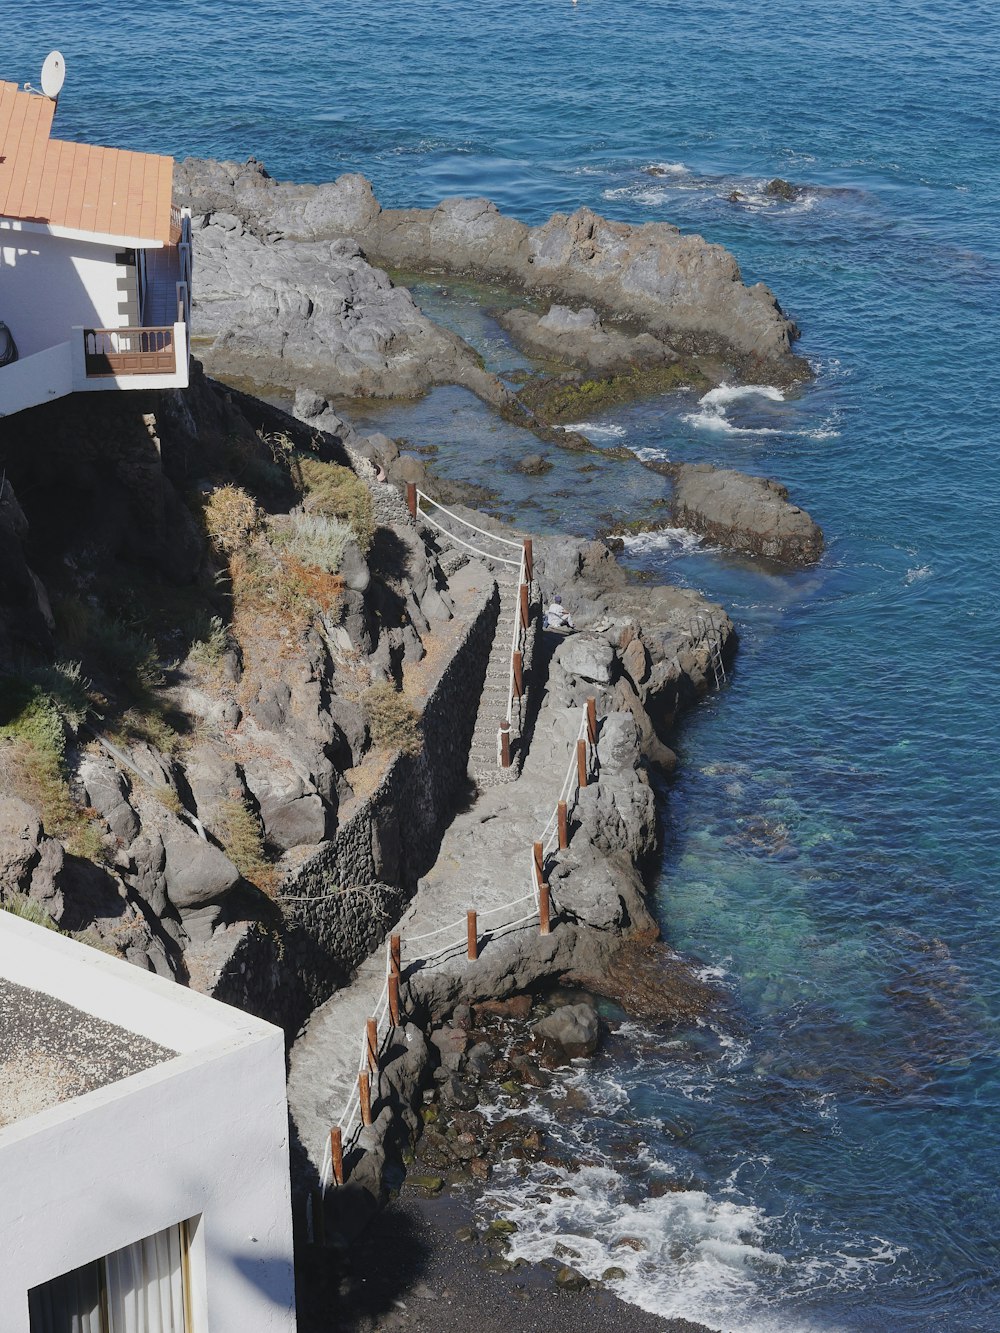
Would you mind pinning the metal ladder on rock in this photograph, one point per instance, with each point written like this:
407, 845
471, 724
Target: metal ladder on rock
704, 629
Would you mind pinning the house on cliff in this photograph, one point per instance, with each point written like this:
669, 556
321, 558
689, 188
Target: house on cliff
143, 1150
95, 264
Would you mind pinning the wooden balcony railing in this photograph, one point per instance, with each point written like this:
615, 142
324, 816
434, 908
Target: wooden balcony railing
129, 352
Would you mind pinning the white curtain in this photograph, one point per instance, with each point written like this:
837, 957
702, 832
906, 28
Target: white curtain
145, 1286
68, 1304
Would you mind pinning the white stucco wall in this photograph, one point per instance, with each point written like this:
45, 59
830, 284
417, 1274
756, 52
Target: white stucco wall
50, 283
204, 1135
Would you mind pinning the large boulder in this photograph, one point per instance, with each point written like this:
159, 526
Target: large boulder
572, 1030
586, 657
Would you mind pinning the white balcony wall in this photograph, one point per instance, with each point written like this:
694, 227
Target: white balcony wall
50, 283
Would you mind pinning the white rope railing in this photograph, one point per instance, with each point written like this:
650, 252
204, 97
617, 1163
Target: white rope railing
493, 536
351, 1121
521, 614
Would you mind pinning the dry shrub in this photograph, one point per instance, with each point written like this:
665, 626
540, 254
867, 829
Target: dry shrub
337, 492
276, 589
231, 518
394, 722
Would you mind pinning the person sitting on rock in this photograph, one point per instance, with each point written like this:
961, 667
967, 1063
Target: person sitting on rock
557, 617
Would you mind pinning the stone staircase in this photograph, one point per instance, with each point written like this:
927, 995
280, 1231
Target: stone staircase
484, 767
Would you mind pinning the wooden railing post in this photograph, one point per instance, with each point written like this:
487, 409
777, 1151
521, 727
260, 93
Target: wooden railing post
473, 935
371, 1041
395, 955
538, 855
365, 1095
592, 720
411, 498
544, 907
337, 1154
563, 826
581, 763
505, 744
518, 675
529, 563
525, 608
394, 999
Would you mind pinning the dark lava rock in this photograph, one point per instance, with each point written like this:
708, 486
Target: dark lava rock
744, 513
456, 1093
568, 1279
782, 189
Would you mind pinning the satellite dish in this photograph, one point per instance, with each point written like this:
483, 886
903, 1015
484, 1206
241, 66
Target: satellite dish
53, 74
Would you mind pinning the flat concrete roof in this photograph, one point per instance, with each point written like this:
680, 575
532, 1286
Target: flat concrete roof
51, 1052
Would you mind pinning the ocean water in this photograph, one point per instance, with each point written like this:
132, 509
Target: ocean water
832, 843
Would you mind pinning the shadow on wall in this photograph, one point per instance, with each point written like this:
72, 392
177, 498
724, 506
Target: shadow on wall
48, 285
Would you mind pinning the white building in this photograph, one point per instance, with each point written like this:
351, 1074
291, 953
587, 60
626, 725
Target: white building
95, 263
143, 1151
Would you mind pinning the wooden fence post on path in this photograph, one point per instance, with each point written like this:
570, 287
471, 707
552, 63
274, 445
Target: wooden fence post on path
592, 720
395, 955
544, 908
525, 608
372, 1043
505, 744
518, 675
581, 763
563, 826
337, 1154
529, 561
473, 936
538, 855
394, 999
411, 498
365, 1094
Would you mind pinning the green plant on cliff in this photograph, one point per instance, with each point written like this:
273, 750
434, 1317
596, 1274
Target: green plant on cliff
19, 904
241, 833
394, 722
33, 762
337, 492
317, 540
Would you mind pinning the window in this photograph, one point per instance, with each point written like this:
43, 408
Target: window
143, 1288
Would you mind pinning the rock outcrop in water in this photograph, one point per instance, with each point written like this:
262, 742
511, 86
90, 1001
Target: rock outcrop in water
752, 515
277, 249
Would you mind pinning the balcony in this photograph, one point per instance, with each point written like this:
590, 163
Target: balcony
159, 346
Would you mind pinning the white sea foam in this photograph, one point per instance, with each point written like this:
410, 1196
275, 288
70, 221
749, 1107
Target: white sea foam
607, 429
684, 1254
672, 541
919, 574
667, 169
713, 413
732, 393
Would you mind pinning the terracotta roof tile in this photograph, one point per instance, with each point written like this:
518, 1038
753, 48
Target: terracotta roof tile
109, 191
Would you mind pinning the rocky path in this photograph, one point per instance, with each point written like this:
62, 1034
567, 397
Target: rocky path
483, 864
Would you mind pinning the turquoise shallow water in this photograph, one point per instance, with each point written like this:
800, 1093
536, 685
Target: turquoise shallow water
832, 840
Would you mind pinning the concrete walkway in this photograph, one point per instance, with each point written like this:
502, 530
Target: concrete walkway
484, 863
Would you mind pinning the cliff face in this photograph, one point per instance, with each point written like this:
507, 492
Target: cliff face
205, 629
